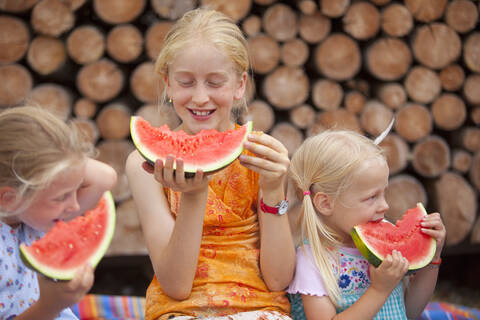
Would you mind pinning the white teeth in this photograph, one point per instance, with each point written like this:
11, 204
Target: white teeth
201, 113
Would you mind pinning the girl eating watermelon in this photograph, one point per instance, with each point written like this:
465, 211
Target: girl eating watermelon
340, 177
45, 176
220, 243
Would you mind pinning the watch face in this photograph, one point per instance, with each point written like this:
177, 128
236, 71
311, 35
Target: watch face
283, 207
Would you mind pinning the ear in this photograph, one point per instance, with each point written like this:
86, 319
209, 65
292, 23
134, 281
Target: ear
323, 203
241, 87
7, 197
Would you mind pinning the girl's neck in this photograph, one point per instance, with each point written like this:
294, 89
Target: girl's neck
11, 221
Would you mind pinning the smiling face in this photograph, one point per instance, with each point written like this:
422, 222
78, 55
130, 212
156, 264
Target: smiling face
56, 202
203, 86
362, 201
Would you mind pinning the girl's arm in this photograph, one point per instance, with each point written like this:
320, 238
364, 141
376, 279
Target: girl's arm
173, 243
277, 251
383, 280
56, 296
99, 177
422, 284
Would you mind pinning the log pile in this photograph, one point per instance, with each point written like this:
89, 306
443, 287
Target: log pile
316, 64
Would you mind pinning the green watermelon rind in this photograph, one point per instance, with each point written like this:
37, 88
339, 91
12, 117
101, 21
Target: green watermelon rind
214, 166
68, 274
375, 258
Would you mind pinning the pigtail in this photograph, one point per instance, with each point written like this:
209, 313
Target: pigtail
315, 231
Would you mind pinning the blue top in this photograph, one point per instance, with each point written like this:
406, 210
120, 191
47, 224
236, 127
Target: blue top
18, 284
353, 281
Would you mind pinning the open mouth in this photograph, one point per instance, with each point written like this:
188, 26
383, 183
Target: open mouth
201, 113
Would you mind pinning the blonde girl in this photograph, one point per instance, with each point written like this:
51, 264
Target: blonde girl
45, 176
214, 250
340, 179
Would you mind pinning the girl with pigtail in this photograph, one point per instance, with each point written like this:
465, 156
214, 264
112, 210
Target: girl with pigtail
340, 177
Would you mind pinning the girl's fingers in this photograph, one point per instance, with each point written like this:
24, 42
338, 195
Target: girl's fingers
179, 172
148, 167
268, 141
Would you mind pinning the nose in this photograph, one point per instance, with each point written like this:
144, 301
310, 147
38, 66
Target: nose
73, 205
200, 95
383, 204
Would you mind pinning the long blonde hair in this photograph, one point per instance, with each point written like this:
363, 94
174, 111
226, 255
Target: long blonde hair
212, 27
325, 163
35, 146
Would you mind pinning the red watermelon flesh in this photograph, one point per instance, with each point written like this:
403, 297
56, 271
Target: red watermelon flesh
69, 245
376, 240
208, 150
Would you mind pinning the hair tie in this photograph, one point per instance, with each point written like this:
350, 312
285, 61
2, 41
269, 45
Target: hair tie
306, 192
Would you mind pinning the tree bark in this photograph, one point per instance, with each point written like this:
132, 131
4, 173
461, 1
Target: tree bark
14, 39
422, 84
88, 128
124, 43
335, 119
404, 191
467, 138
15, 84
471, 47
17, 6
118, 11
236, 10
46, 55
471, 89
413, 122
474, 174
307, 7
431, 156
475, 115
158, 115
154, 37
334, 8
252, 25
261, 114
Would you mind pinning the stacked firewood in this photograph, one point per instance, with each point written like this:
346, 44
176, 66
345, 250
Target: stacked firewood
316, 64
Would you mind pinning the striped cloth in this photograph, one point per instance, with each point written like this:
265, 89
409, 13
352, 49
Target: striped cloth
104, 307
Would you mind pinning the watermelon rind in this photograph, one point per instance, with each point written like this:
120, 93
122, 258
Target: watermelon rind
68, 274
375, 258
189, 170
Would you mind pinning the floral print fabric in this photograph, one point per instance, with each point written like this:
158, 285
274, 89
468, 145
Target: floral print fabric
228, 279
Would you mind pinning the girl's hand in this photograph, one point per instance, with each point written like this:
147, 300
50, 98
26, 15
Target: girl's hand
271, 161
433, 226
175, 178
58, 295
389, 273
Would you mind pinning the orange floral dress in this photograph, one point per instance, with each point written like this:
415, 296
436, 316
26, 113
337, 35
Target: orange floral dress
228, 279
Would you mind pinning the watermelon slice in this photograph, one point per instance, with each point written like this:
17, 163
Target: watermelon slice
376, 240
208, 150
69, 245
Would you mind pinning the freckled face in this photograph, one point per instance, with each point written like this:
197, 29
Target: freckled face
203, 86
363, 200
57, 202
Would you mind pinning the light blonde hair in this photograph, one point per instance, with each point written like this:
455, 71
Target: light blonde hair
212, 27
35, 146
325, 163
